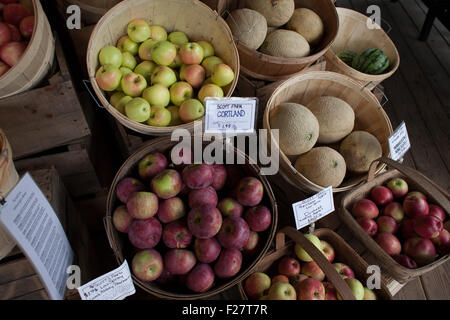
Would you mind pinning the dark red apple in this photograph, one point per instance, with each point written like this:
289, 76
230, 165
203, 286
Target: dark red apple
207, 250
15, 33
437, 212
250, 192
398, 187
369, 226
381, 195
12, 52
229, 207
27, 26
204, 222
394, 210
387, 224
407, 229
421, 250
5, 34
145, 234
228, 264
128, 186
405, 261
14, 13
201, 278
198, 176
234, 233
428, 226
258, 218
442, 242
220, 176
206, 196
176, 235
165, 277
179, 261
365, 208
151, 165
415, 205
389, 243
289, 266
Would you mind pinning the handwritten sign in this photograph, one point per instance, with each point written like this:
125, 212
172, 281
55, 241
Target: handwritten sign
315, 208
115, 285
399, 142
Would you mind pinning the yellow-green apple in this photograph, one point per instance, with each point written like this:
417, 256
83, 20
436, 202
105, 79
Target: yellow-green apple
207, 81
442, 242
328, 250
368, 225
204, 222
280, 278
415, 205
381, 195
171, 209
194, 74
365, 208
191, 110
252, 245
142, 205
421, 250
133, 84
230, 207
3, 68
122, 219
163, 53
110, 55
13, 13
151, 165
220, 176
394, 210
256, 285
175, 119
209, 63
208, 49
389, 243
198, 176
126, 187
207, 250
163, 75
177, 37
234, 233
180, 92
344, 270
145, 69
145, 234
398, 187
179, 261
159, 117
201, 278
157, 95
330, 291
312, 270
122, 103
125, 44
145, 49
176, 63
301, 253
147, 265
115, 98
158, 33
15, 33
228, 264
289, 266
250, 192
138, 110
5, 34
124, 71
222, 75
437, 212
387, 224
282, 291
428, 226
128, 60
210, 91
258, 218
311, 289
26, 27
138, 30
108, 77
405, 261
369, 294
356, 287
407, 229
12, 52
191, 53
198, 197
176, 235
167, 184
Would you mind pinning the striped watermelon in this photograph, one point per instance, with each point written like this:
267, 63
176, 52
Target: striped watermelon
371, 61
347, 56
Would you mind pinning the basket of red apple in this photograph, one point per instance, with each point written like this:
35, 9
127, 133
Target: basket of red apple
27, 46
318, 266
188, 231
152, 63
400, 217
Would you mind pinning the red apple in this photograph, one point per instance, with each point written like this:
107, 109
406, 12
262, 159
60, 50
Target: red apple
145, 234
381, 195
122, 219
289, 266
428, 226
312, 270
421, 250
442, 242
198, 176
252, 245
407, 229
12, 52
311, 289
3, 68
128, 186
415, 205
389, 243
14, 13
151, 165
206, 196
5, 34
365, 208
204, 222
387, 224
176, 235
280, 278
15, 33
207, 250
234, 233
147, 265
369, 226
295, 280
171, 209
328, 251
405, 261
344, 270
258, 218
437, 212
228, 264
142, 205
179, 261
394, 210
256, 285
398, 187
27, 26
250, 192
220, 176
230, 207
201, 278
330, 291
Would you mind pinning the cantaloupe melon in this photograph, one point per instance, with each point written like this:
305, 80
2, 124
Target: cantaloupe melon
298, 128
285, 44
248, 26
359, 150
277, 12
336, 118
322, 166
307, 23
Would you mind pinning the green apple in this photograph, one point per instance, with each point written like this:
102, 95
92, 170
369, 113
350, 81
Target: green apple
208, 49
191, 110
108, 77
159, 117
163, 75
145, 69
211, 91
122, 103
115, 98
369, 294
125, 44
138, 109
133, 84
163, 53
145, 49
282, 291
175, 119
110, 55
177, 37
128, 60
302, 254
208, 81
176, 63
138, 30
157, 95
158, 33
356, 287
191, 53
209, 64
222, 75
180, 92
125, 70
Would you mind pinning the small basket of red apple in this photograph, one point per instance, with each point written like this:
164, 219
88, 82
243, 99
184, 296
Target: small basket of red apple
401, 216
188, 231
318, 266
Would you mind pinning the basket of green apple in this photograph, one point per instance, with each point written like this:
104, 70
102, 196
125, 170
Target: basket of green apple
152, 63
189, 231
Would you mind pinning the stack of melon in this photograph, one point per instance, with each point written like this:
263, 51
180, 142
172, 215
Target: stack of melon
320, 137
371, 61
277, 28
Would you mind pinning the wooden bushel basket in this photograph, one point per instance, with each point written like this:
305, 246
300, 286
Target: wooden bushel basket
344, 254
369, 116
354, 35
36, 61
123, 249
416, 181
193, 17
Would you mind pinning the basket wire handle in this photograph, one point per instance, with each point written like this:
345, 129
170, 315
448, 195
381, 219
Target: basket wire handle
88, 86
333, 276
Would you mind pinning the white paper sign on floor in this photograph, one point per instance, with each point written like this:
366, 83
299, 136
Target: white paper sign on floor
115, 285
313, 209
30, 219
399, 142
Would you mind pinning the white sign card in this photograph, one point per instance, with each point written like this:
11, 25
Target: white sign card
115, 285
30, 219
230, 115
399, 142
312, 209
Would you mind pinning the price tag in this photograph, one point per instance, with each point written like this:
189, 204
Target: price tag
399, 142
115, 285
230, 115
315, 208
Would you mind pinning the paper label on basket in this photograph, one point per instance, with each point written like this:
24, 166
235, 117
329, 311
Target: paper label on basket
30, 219
313, 209
399, 142
230, 115
115, 285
